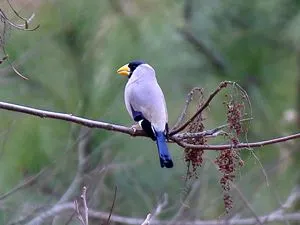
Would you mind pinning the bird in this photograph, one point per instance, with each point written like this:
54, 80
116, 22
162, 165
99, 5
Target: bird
145, 103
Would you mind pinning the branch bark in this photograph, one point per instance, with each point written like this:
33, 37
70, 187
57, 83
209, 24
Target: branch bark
93, 214
133, 132
71, 118
242, 145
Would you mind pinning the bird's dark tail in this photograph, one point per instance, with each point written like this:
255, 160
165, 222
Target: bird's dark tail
163, 152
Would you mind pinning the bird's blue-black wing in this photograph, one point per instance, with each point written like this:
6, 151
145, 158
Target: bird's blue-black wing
145, 124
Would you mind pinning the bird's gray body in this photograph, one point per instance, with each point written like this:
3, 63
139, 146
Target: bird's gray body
143, 94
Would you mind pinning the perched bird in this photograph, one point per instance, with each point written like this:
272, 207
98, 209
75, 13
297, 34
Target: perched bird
145, 102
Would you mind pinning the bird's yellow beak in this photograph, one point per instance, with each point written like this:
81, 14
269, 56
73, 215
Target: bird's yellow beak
124, 70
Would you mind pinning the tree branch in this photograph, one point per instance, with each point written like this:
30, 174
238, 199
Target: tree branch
24, 184
246, 202
275, 216
134, 132
84, 137
185, 108
69, 207
71, 118
205, 105
147, 220
241, 145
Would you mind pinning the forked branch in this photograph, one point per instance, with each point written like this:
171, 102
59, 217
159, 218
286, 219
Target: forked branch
174, 136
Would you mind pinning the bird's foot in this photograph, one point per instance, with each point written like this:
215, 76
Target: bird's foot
135, 127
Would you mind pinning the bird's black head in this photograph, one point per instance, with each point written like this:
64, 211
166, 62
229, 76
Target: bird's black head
134, 64
128, 69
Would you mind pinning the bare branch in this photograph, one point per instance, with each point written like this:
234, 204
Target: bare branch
244, 199
77, 211
70, 118
221, 86
290, 201
25, 26
85, 207
24, 184
5, 20
133, 132
161, 205
112, 206
147, 220
207, 133
54, 211
240, 145
185, 202
69, 207
74, 187
185, 108
3, 59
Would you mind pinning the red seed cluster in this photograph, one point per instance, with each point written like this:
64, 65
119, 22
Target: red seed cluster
235, 112
228, 202
227, 161
194, 157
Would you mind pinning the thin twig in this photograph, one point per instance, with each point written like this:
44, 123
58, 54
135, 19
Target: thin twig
24, 184
262, 167
71, 218
205, 105
247, 204
6, 21
147, 220
79, 216
290, 201
24, 26
74, 187
3, 59
240, 145
85, 207
185, 202
18, 15
10, 63
213, 132
185, 108
84, 137
112, 206
82, 216
161, 205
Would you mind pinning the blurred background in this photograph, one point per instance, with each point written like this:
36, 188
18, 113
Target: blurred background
71, 63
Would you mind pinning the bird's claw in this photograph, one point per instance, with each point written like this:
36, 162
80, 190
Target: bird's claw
134, 128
